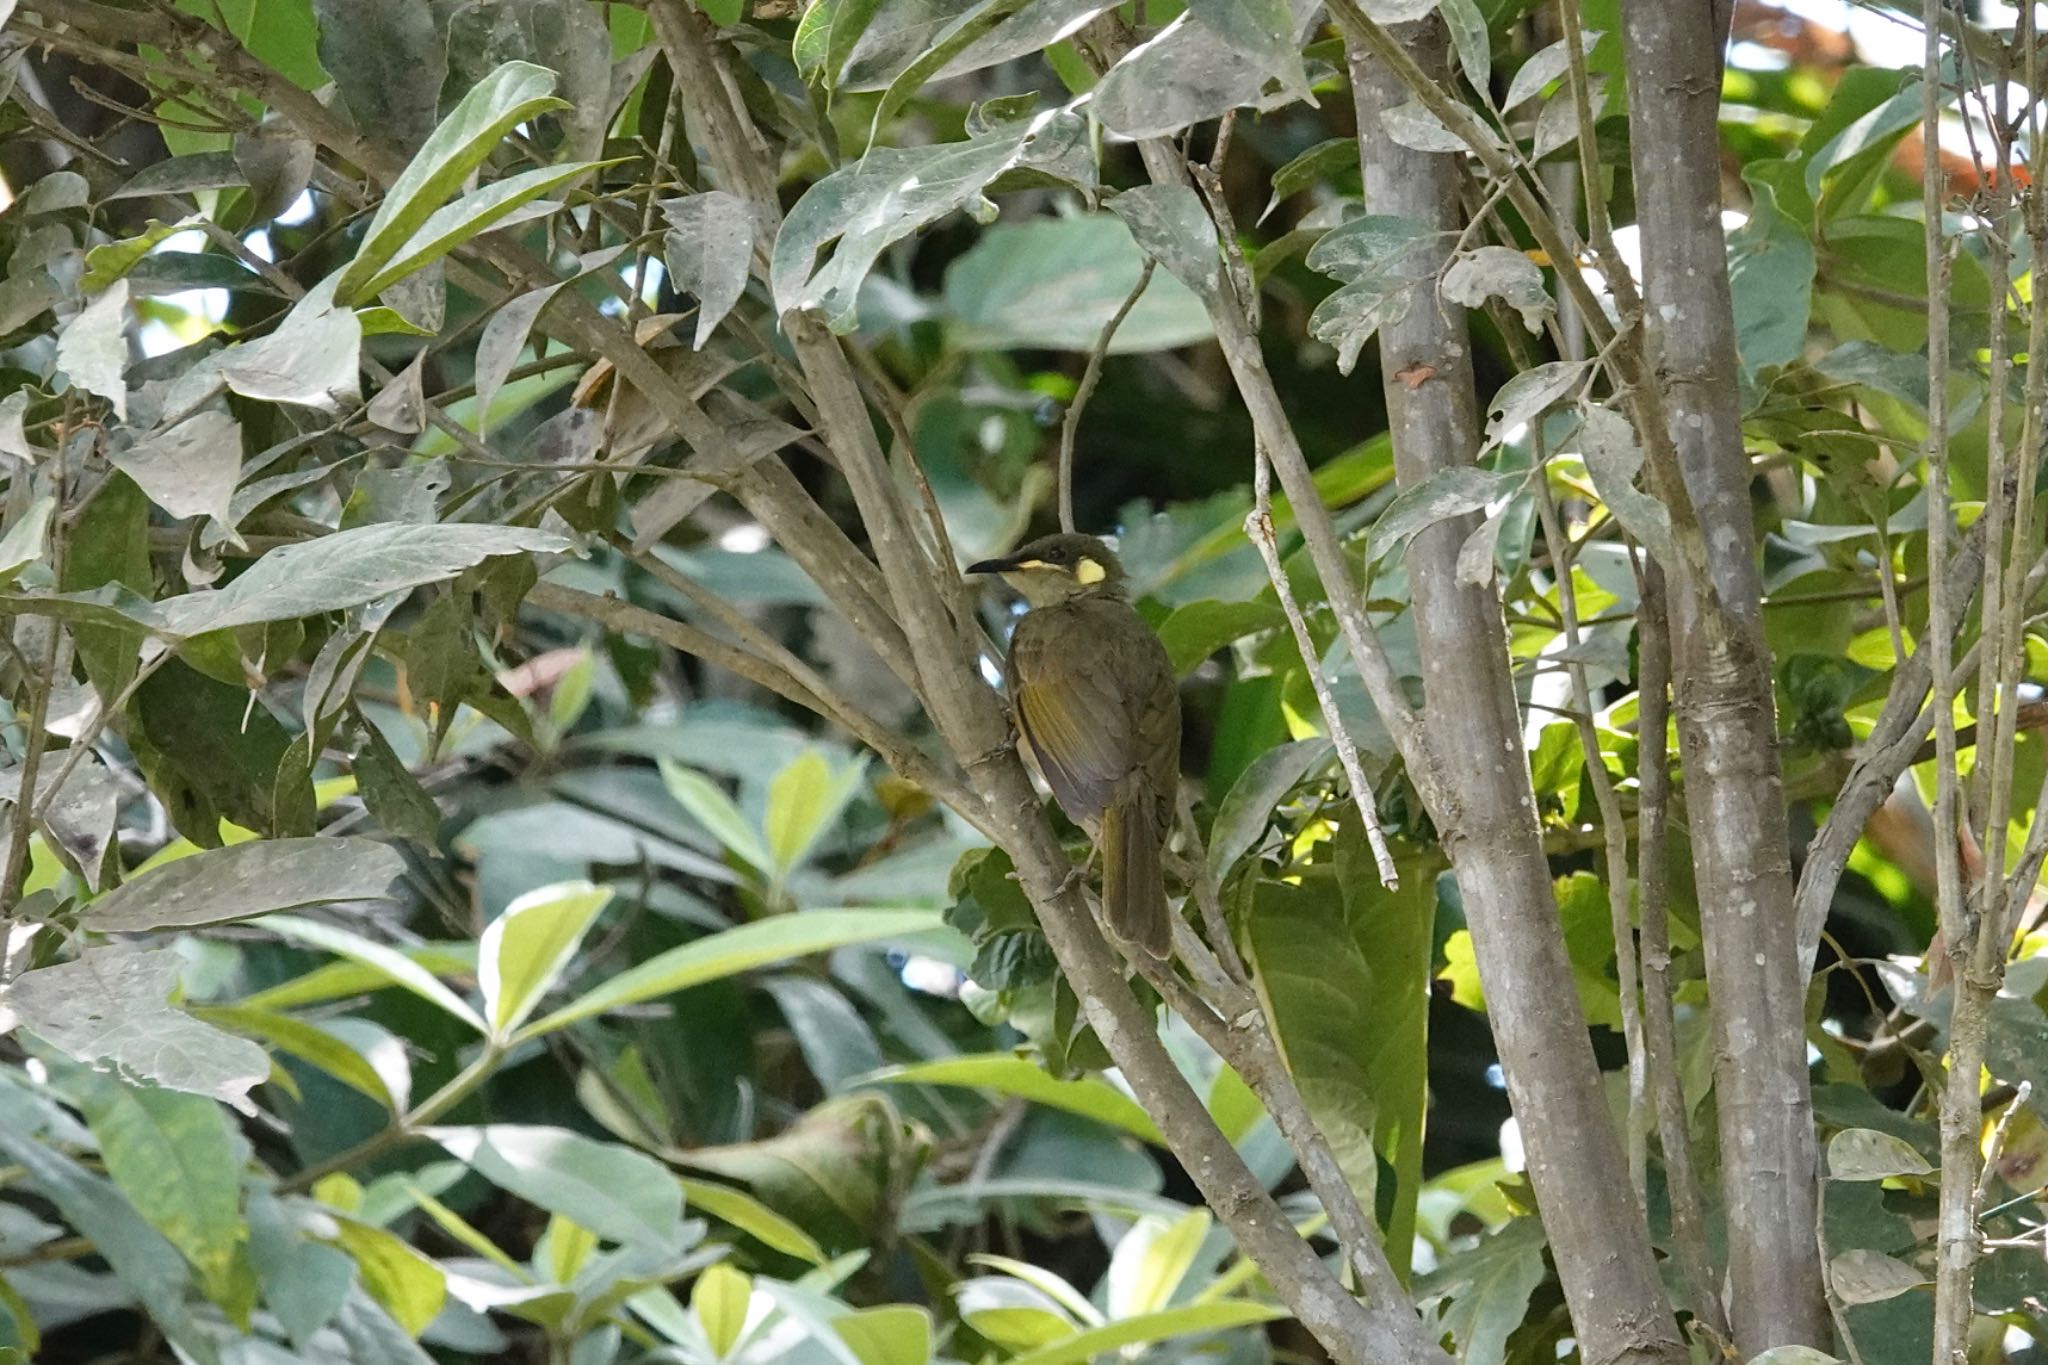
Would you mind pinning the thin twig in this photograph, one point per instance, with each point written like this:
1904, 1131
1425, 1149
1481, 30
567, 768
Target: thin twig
1091, 375
1615, 830
1258, 525
1660, 1029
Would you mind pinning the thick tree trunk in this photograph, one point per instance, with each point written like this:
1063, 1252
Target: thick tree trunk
1596, 1231
1727, 722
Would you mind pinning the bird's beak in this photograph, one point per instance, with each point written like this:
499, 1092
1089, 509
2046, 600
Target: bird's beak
1005, 565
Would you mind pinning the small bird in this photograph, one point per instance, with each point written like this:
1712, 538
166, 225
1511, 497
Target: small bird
1097, 707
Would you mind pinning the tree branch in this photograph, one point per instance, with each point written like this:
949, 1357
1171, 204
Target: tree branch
1725, 693
1091, 375
1596, 1230
1660, 1028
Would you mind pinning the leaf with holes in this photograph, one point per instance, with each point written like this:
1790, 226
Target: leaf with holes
1528, 395
1504, 273
1455, 491
112, 1005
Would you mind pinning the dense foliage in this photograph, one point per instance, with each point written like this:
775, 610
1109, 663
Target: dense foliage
497, 867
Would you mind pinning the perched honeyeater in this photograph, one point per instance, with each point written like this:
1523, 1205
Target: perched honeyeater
1098, 711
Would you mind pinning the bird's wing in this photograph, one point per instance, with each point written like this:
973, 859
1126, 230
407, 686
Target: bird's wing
1072, 707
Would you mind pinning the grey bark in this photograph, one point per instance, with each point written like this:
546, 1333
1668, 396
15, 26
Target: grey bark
1596, 1231
1726, 717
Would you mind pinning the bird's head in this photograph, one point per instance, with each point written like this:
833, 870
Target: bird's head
1059, 568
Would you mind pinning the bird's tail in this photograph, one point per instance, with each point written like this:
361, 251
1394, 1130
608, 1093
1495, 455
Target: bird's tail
1133, 883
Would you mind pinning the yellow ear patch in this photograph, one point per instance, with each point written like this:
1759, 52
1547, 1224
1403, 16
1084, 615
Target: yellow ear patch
1088, 571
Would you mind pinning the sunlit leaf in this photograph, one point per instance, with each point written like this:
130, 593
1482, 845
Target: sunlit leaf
528, 946
620, 1194
738, 950
1088, 1096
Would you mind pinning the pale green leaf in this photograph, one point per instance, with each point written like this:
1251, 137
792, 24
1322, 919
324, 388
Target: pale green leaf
388, 963
736, 950
508, 97
1089, 1096
710, 807
622, 1195
525, 950
1152, 1327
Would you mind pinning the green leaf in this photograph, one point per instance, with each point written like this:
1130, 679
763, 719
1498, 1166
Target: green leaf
1469, 40
189, 470
1054, 283
388, 963
736, 950
508, 97
708, 804
147, 1266
1770, 281
525, 950
500, 344
1866, 1154
304, 1282
803, 802
1242, 818
1185, 75
179, 1162
111, 261
1018, 1314
1089, 1096
1262, 30
891, 192
1151, 1261
1502, 272
1528, 396
1454, 491
1383, 260
1546, 65
895, 1334
719, 1301
1327, 157
242, 880
177, 176
308, 1042
23, 543
1488, 1288
1341, 980
1862, 1276
1607, 443
342, 570
403, 1281
616, 1192
751, 1216
393, 795
111, 1005
1147, 1328
496, 205
1196, 631
979, 20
